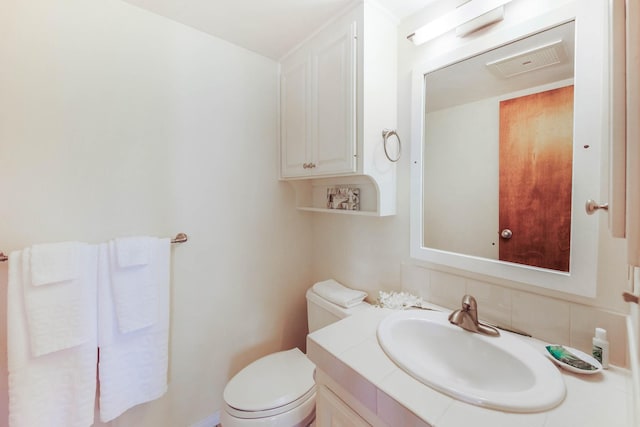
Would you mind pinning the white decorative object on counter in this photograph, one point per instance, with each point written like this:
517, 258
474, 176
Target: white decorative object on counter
399, 300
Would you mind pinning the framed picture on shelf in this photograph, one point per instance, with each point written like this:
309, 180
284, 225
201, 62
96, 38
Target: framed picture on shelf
345, 198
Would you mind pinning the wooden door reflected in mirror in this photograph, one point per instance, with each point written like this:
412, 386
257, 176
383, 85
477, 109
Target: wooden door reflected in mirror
536, 146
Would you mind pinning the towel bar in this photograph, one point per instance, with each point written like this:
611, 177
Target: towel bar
180, 238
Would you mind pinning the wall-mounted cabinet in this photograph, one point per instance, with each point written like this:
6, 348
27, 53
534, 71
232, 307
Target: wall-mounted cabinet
318, 97
337, 94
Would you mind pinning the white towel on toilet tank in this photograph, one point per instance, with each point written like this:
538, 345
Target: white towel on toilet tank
339, 294
52, 380
133, 363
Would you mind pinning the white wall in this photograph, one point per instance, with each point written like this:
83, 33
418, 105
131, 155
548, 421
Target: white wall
461, 196
376, 255
114, 122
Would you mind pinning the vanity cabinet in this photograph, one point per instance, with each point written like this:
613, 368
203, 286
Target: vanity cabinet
357, 384
337, 95
333, 412
345, 398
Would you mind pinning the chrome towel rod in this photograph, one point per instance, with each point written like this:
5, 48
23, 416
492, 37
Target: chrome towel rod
180, 238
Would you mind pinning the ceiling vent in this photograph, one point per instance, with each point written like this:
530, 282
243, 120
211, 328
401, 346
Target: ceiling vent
533, 59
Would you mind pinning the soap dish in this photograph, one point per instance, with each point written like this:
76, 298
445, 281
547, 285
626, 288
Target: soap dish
573, 360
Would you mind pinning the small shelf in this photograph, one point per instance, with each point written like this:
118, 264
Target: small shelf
337, 211
311, 195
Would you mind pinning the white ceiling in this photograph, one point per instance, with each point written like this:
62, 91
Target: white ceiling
268, 27
471, 80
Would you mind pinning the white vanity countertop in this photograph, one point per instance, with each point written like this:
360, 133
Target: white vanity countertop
348, 352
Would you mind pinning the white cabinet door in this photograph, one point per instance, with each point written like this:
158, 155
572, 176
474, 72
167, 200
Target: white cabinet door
295, 131
333, 412
334, 109
318, 106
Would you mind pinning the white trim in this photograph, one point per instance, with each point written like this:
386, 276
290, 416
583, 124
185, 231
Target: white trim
618, 119
633, 132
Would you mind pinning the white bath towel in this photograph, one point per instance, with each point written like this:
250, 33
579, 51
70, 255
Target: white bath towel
133, 365
58, 315
339, 294
56, 389
133, 251
133, 282
54, 262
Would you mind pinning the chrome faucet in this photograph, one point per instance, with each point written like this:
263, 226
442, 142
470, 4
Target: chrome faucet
467, 318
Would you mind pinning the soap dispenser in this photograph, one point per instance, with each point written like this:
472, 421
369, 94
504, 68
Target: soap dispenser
600, 348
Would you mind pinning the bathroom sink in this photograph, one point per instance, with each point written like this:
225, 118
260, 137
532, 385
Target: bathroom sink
502, 372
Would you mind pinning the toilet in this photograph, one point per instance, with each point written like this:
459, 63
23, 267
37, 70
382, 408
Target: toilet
279, 389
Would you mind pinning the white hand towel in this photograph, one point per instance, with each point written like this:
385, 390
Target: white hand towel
54, 262
56, 389
56, 308
133, 251
339, 294
133, 366
134, 288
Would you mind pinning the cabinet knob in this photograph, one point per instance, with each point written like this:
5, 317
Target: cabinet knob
305, 165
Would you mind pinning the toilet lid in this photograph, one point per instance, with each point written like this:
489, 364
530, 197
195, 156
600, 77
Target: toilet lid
272, 381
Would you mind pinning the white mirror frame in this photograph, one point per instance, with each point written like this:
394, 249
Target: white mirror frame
590, 128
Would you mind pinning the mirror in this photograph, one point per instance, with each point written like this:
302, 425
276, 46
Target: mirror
506, 150
498, 149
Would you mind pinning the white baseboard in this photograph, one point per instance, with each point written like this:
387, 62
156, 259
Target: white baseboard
211, 421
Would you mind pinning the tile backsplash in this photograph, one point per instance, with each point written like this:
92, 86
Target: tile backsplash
546, 318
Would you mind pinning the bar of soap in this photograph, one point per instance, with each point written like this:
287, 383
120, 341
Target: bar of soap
573, 360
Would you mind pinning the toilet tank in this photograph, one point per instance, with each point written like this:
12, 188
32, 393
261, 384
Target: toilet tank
321, 312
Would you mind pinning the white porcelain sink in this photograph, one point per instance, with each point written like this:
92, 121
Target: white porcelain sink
502, 372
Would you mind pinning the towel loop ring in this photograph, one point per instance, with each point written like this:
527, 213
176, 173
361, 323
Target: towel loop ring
386, 133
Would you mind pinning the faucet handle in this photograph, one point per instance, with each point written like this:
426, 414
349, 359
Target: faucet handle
469, 302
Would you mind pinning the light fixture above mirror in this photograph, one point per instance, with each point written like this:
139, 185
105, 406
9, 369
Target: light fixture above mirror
466, 18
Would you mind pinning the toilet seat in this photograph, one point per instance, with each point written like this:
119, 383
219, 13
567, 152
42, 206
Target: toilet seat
272, 385
309, 396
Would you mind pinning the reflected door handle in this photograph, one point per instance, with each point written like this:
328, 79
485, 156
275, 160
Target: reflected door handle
592, 206
506, 234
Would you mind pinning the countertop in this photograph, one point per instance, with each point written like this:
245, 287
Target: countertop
348, 352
